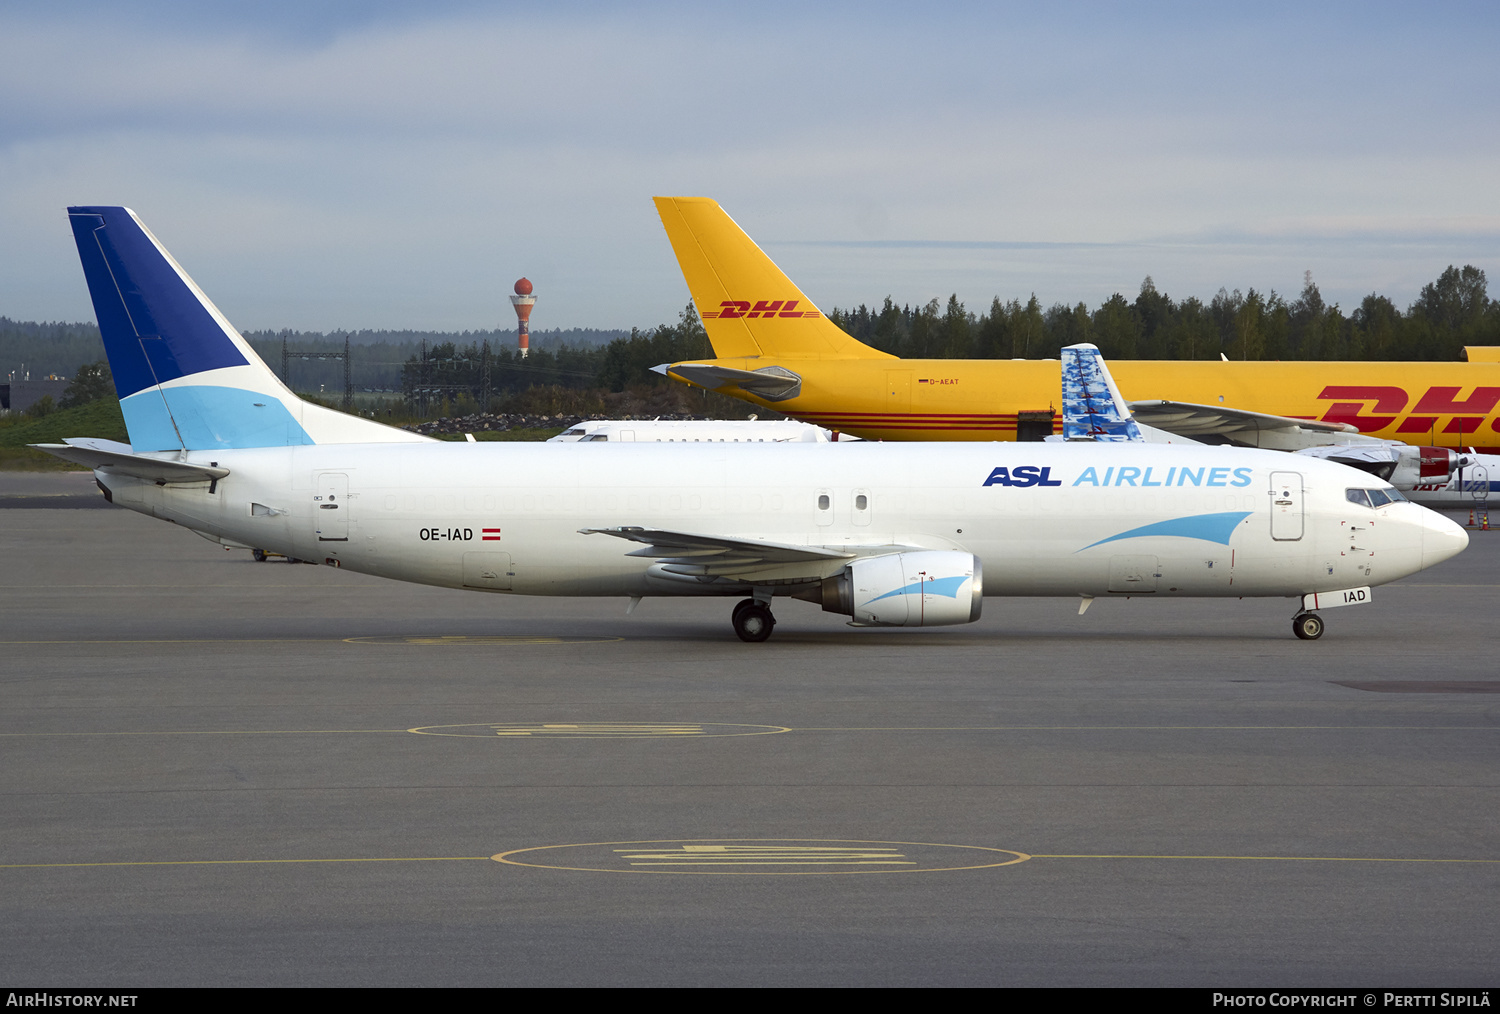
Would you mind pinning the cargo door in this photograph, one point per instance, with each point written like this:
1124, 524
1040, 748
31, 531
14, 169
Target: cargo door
1034, 427
1286, 506
331, 507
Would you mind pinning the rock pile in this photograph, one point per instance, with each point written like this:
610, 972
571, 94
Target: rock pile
485, 422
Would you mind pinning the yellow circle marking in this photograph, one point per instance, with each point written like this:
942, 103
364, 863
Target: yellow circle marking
601, 730
874, 854
479, 640
764, 857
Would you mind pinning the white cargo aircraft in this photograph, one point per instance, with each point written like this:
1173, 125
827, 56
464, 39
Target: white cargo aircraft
890, 534
695, 431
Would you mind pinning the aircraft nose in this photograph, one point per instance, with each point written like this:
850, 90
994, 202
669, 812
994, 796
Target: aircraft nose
1441, 539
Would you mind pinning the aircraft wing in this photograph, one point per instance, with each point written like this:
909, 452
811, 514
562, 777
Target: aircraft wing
117, 458
710, 557
1237, 426
773, 383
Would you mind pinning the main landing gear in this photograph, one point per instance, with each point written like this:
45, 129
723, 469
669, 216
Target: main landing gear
753, 621
1307, 626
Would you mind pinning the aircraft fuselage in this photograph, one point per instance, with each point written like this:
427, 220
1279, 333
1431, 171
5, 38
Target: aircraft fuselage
1430, 404
1045, 519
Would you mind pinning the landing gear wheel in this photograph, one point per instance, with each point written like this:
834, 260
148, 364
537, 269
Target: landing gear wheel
258, 555
1307, 626
740, 607
753, 622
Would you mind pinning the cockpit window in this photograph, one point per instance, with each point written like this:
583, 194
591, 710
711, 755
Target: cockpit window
1374, 497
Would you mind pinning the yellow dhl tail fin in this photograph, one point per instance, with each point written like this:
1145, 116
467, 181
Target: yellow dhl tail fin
749, 307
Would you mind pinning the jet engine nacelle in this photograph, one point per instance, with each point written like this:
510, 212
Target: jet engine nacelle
919, 589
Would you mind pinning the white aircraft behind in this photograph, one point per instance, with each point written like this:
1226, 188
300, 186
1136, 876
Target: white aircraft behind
696, 431
1470, 486
890, 534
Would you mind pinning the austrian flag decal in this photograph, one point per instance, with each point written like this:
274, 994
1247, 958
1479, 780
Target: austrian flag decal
762, 308
490, 534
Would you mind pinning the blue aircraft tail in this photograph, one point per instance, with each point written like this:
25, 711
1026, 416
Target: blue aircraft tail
186, 378
1093, 408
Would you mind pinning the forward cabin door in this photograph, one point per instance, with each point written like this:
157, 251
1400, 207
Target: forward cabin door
1286, 506
331, 507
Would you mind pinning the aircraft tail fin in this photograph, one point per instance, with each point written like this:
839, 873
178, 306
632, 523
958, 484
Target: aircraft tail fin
186, 378
748, 305
1093, 408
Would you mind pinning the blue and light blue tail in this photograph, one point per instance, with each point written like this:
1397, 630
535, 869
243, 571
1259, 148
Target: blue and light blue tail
186, 378
1093, 408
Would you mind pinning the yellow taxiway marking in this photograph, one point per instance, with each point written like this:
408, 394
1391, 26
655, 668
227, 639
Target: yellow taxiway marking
201, 732
731, 854
189, 640
242, 862
443, 639
600, 730
1394, 587
766, 855
1279, 859
710, 730
751, 856
1136, 728
483, 639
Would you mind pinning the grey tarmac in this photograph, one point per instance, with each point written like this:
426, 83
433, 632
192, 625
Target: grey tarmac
221, 772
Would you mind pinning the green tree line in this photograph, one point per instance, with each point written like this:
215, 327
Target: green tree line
1453, 311
1449, 313
450, 369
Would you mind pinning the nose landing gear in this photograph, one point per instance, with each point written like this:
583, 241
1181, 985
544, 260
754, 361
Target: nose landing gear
1307, 626
753, 622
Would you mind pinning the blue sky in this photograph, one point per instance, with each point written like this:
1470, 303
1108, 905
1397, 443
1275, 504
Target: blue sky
396, 165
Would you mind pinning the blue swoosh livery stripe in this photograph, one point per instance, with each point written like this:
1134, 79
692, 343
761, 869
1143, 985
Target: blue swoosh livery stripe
948, 586
1208, 527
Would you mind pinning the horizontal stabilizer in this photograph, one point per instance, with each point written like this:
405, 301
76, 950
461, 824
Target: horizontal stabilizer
773, 383
118, 459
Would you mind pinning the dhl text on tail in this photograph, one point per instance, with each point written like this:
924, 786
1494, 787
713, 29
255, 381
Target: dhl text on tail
775, 348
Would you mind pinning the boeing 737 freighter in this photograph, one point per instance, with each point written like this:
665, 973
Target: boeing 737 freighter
888, 534
775, 348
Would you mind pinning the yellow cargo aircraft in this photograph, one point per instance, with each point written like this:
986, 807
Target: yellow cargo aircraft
776, 349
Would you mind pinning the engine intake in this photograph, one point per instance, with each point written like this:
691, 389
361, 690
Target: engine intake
927, 588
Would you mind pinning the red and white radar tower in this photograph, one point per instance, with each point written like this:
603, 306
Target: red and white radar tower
523, 301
